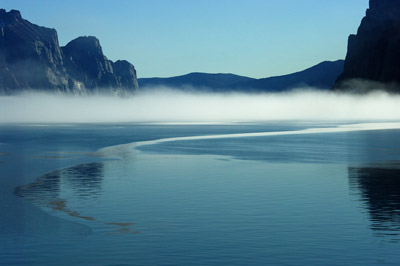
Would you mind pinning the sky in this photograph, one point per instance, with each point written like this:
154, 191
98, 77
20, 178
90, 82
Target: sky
164, 38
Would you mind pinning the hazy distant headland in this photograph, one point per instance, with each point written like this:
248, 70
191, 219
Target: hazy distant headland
31, 59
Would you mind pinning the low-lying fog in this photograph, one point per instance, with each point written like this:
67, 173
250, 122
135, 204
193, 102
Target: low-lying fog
175, 106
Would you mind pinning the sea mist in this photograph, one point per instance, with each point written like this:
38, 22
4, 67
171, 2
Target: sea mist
166, 105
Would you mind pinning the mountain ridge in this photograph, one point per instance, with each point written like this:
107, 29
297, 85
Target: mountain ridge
327, 72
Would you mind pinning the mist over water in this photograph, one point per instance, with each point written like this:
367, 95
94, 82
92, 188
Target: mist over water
166, 105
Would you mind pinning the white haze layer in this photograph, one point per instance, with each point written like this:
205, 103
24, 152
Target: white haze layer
168, 106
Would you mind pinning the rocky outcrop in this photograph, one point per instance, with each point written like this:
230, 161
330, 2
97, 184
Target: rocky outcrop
31, 59
85, 62
30, 56
374, 53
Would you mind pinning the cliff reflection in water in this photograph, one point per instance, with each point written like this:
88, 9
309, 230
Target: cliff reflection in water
61, 190
83, 181
379, 187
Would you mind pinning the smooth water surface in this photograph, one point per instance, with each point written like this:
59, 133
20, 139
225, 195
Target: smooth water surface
74, 194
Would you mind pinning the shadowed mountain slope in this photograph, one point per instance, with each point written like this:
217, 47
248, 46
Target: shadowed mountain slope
321, 76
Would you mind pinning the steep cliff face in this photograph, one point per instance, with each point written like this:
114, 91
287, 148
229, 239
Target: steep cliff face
374, 53
85, 62
31, 59
126, 74
30, 56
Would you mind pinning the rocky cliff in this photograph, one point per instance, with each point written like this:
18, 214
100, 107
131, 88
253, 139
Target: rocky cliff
31, 59
374, 53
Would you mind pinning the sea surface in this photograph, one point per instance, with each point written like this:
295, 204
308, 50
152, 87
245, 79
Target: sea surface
192, 194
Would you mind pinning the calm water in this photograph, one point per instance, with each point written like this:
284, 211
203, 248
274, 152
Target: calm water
68, 195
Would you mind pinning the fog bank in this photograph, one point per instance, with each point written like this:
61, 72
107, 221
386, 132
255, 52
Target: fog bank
175, 106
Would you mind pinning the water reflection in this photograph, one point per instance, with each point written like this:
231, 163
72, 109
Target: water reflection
83, 180
57, 189
379, 187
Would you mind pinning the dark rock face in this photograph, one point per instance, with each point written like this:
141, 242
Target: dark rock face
85, 62
126, 74
373, 54
321, 76
31, 59
30, 56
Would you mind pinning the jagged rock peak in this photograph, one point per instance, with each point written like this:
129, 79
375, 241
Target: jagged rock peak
8, 17
86, 43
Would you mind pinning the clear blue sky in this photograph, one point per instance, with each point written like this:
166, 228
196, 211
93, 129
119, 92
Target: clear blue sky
255, 38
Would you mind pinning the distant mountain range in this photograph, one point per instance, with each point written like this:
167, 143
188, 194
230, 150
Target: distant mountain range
321, 76
31, 59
